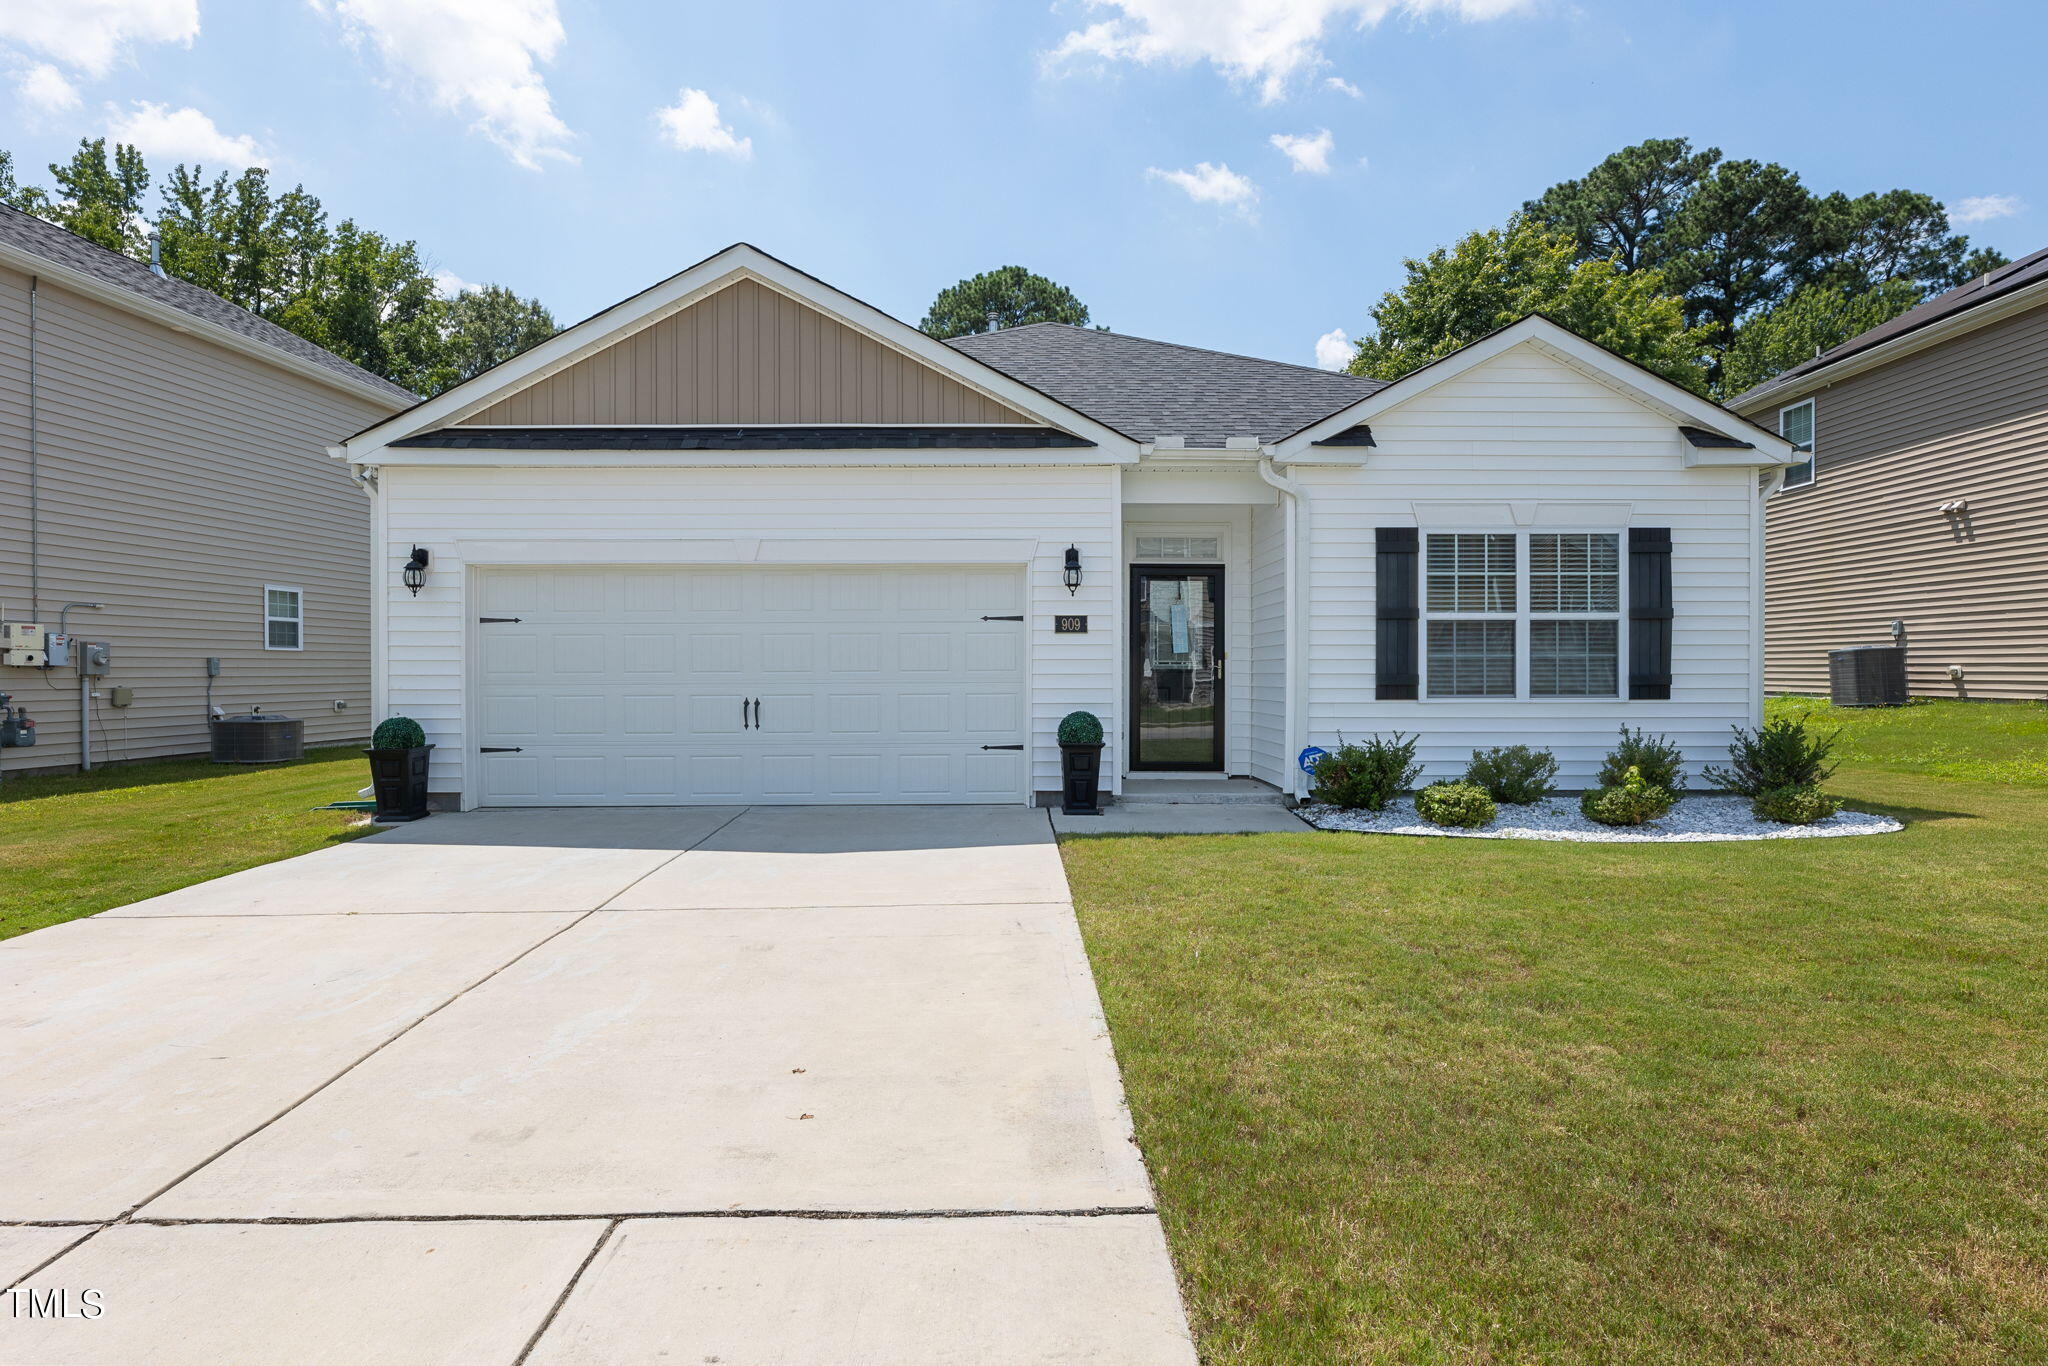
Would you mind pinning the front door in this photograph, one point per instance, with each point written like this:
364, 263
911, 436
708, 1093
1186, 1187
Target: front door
1177, 667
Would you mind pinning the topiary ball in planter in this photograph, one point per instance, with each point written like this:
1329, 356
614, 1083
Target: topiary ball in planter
1080, 728
399, 732
1461, 806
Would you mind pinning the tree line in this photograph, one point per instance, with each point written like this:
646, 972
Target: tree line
368, 298
1715, 273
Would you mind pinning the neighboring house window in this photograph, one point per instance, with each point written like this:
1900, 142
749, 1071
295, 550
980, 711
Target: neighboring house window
1795, 424
284, 619
1488, 636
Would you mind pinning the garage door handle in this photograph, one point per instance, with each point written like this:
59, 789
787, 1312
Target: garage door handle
499, 749
1002, 746
757, 713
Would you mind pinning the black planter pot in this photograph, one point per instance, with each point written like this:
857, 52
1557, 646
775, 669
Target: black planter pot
1080, 779
398, 780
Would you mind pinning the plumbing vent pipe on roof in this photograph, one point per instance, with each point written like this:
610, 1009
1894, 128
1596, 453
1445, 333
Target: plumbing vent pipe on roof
156, 252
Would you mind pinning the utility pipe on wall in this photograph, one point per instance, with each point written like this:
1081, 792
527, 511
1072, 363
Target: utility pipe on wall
84, 685
35, 541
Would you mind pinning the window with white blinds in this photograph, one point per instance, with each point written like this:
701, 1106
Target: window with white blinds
1486, 635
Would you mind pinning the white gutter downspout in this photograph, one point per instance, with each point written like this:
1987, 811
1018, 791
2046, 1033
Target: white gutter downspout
1295, 672
1767, 488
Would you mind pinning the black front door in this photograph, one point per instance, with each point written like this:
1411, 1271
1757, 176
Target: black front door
1176, 668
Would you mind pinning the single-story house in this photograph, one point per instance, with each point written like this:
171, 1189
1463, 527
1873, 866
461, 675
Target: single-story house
166, 496
744, 538
1918, 514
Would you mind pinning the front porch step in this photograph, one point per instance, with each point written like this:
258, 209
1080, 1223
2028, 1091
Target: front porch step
1200, 792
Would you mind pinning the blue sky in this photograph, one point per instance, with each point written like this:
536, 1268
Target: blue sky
579, 150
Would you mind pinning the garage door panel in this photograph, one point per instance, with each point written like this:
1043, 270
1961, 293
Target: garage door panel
634, 685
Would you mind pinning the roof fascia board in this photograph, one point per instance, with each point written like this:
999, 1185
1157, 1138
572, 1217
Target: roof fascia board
178, 320
394, 456
1625, 377
691, 286
1777, 394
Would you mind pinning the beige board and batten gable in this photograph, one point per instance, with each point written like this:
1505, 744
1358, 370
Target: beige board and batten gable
744, 354
1961, 420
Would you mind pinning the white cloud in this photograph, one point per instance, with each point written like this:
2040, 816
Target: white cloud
1982, 208
474, 57
43, 87
88, 35
1211, 184
1334, 350
159, 131
1343, 87
1308, 152
692, 124
1270, 42
450, 284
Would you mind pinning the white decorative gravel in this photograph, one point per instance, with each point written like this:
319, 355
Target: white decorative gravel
1694, 819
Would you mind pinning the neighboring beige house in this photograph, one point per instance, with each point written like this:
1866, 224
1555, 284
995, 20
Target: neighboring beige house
162, 453
1925, 501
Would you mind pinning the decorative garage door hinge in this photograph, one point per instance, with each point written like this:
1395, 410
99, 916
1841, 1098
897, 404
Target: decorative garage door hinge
1002, 618
1002, 746
488, 620
499, 749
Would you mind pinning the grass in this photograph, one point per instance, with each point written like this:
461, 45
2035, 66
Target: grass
80, 843
1426, 1101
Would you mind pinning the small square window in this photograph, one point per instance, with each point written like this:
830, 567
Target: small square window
1471, 658
1471, 572
1574, 572
284, 619
1574, 658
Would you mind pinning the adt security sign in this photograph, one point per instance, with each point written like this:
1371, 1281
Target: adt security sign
1309, 757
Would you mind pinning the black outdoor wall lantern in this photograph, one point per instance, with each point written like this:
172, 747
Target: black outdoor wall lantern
1072, 576
416, 570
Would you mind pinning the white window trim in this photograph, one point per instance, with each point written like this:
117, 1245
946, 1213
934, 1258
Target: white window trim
1813, 426
299, 620
1522, 616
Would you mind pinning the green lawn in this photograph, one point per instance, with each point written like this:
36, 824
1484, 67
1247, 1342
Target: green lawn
73, 845
1486, 1102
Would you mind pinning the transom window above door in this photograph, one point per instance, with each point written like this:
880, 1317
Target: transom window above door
1522, 614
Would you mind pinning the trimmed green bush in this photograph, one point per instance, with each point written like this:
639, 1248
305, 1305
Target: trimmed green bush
1781, 754
1367, 775
1080, 728
1794, 805
1660, 762
1514, 774
1463, 806
398, 732
1630, 802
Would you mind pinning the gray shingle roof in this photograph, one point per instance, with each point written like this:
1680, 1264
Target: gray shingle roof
2028, 270
30, 234
1147, 389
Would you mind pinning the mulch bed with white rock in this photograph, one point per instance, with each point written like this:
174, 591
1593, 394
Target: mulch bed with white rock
1695, 819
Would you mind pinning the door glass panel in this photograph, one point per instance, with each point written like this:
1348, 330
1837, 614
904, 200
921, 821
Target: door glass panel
1178, 687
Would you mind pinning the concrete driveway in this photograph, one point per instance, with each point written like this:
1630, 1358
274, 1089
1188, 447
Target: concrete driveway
752, 1086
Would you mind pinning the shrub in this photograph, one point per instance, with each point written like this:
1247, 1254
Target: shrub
1080, 728
1794, 805
1515, 774
1367, 775
1632, 801
398, 732
1781, 754
1464, 806
1659, 761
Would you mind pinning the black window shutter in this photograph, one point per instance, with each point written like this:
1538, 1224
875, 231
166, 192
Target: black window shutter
1649, 612
1398, 580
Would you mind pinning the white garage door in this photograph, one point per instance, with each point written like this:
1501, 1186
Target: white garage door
660, 685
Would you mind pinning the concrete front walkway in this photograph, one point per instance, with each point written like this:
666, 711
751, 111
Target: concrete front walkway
745, 1085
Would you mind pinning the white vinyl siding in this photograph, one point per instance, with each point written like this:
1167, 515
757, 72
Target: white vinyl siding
1522, 444
1795, 424
284, 618
724, 515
